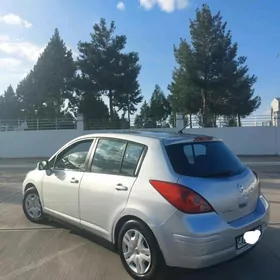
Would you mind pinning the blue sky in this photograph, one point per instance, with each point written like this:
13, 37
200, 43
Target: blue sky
152, 30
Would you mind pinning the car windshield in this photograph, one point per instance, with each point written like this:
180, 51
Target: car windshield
204, 159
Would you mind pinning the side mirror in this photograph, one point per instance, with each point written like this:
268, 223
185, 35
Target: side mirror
42, 165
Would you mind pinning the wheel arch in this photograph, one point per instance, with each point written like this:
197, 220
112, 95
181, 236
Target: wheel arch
122, 221
29, 186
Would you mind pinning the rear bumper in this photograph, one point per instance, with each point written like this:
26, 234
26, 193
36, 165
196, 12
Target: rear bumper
209, 240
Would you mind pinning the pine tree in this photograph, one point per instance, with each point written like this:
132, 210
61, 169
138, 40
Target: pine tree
9, 105
45, 91
207, 75
108, 70
159, 106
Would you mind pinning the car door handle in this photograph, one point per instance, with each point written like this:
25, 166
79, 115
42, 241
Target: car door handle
74, 181
121, 187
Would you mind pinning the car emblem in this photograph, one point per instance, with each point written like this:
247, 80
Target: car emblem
240, 187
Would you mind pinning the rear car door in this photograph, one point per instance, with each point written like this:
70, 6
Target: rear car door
105, 187
61, 183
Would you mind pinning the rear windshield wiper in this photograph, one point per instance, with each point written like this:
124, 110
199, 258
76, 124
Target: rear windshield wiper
220, 174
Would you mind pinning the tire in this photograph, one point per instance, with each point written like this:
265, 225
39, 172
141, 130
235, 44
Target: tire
152, 268
35, 215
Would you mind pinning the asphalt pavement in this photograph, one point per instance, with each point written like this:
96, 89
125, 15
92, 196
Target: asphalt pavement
52, 252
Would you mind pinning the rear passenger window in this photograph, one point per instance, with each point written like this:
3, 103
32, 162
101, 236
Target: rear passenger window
108, 156
131, 158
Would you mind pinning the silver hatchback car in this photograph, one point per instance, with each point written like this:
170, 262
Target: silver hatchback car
177, 200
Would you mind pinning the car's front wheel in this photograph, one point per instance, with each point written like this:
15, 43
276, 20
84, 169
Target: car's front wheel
31, 206
139, 252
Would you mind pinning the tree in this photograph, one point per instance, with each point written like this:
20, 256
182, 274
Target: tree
44, 92
144, 120
129, 95
185, 97
93, 107
242, 101
9, 105
160, 107
205, 80
108, 70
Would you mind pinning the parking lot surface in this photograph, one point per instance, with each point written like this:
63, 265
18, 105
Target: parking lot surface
51, 251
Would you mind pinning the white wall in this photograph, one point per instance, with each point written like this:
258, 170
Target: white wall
41, 143
257, 140
263, 140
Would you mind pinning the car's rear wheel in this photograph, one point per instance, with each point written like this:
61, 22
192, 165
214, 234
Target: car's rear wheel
32, 207
139, 252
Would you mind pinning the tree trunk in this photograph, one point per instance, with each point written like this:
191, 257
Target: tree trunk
128, 112
190, 120
111, 110
204, 109
214, 120
239, 120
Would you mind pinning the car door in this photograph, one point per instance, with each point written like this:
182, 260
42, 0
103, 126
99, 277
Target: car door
105, 187
61, 183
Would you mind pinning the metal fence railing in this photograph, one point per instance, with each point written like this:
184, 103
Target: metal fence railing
101, 124
145, 123
253, 120
37, 124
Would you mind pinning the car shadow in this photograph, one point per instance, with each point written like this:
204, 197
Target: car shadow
254, 264
81, 233
261, 262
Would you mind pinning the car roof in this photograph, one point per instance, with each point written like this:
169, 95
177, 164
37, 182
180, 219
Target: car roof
166, 137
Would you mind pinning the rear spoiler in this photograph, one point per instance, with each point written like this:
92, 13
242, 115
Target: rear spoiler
198, 138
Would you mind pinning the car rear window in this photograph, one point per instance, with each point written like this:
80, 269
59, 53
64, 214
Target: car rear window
204, 159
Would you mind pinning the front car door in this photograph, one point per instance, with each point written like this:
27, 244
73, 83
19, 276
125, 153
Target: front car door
105, 187
61, 183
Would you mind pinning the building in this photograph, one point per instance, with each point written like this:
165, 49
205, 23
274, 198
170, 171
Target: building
275, 111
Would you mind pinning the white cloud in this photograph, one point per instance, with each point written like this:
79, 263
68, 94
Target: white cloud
19, 48
182, 4
121, 6
10, 63
17, 58
168, 6
12, 19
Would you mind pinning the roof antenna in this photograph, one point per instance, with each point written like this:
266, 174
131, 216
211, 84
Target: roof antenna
181, 131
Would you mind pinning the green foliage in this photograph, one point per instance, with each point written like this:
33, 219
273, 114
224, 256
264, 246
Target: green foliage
9, 105
210, 80
129, 94
107, 69
144, 119
93, 107
210, 77
160, 107
155, 113
45, 90
230, 121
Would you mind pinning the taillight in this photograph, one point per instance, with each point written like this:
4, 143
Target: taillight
181, 197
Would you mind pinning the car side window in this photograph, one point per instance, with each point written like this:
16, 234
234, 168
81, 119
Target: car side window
108, 156
73, 157
131, 158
